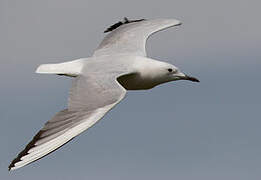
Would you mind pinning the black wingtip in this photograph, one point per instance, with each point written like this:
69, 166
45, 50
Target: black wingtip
25, 151
10, 167
118, 24
12, 164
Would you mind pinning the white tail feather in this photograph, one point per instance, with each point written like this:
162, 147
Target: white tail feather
71, 68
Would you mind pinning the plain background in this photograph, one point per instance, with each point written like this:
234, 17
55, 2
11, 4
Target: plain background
179, 130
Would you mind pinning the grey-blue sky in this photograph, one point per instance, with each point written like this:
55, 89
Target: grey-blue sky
178, 130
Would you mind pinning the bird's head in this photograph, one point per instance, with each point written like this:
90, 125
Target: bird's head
160, 72
173, 73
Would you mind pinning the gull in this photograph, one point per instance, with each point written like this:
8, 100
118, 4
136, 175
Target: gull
100, 82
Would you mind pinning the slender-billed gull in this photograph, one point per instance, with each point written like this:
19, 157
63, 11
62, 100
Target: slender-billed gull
100, 82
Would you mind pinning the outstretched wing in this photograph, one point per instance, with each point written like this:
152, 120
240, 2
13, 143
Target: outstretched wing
90, 99
130, 37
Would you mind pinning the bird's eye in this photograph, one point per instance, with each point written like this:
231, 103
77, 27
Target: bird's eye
170, 70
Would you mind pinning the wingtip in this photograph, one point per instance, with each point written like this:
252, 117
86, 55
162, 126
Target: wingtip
179, 24
175, 22
11, 167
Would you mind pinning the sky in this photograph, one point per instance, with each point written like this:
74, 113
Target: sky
179, 130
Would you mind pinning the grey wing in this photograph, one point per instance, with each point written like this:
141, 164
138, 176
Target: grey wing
131, 38
90, 99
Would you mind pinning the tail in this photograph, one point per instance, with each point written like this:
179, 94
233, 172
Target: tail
71, 68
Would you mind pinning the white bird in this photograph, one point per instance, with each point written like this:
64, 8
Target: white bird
100, 82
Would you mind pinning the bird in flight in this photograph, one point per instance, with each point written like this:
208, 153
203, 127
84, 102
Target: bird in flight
100, 82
